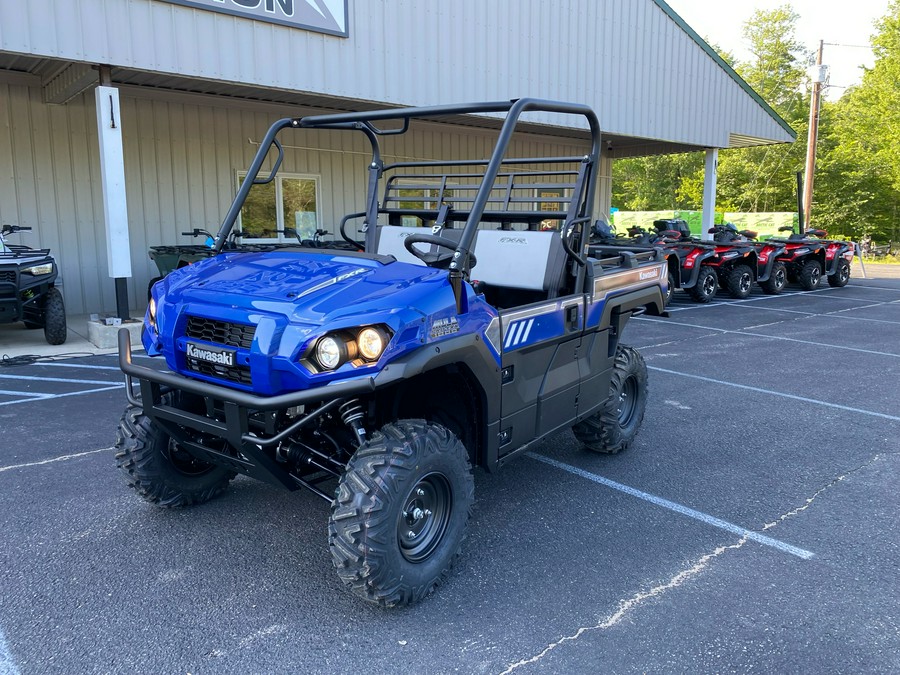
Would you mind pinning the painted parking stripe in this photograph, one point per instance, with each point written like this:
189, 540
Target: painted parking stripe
61, 458
761, 298
836, 314
763, 335
49, 397
793, 397
64, 364
677, 508
36, 378
7, 663
12, 392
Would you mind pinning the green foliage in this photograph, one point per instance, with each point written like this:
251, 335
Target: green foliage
858, 177
749, 179
857, 180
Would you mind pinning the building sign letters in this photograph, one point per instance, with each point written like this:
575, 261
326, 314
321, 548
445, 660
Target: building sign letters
321, 16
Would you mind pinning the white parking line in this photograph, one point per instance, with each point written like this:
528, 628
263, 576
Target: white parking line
836, 314
861, 411
10, 392
47, 397
64, 364
763, 335
677, 508
749, 300
62, 458
35, 378
7, 663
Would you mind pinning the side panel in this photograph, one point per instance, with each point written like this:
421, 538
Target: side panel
539, 369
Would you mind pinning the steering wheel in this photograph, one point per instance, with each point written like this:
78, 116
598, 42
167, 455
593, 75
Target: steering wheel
439, 260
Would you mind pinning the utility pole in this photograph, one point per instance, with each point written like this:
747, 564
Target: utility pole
813, 136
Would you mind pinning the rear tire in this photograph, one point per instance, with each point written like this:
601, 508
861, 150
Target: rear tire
55, 329
740, 282
159, 470
707, 285
841, 275
810, 275
614, 426
671, 289
777, 280
401, 512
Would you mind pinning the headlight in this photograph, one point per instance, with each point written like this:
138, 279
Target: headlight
329, 352
151, 309
371, 342
38, 270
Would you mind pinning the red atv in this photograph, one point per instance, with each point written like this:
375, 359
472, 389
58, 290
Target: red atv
684, 256
808, 256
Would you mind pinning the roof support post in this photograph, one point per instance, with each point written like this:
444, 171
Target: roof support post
709, 193
112, 171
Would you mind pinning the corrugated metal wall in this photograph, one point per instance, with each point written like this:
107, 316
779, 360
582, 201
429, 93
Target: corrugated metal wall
182, 154
628, 59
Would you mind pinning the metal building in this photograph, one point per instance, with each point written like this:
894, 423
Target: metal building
199, 81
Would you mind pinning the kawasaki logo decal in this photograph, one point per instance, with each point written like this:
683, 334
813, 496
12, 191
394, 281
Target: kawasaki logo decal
210, 355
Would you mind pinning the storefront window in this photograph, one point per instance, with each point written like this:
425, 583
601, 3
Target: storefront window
289, 201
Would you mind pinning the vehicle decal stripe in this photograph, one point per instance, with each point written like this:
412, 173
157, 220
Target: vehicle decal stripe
527, 330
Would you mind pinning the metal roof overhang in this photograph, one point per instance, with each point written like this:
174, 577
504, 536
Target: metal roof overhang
40, 72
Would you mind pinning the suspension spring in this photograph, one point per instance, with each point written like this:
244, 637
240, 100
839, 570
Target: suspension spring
352, 414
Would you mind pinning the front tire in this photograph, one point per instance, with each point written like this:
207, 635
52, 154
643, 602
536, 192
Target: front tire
159, 470
55, 329
401, 511
841, 275
740, 282
707, 285
810, 275
777, 280
670, 281
614, 426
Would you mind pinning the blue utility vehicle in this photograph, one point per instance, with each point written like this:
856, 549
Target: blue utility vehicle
470, 321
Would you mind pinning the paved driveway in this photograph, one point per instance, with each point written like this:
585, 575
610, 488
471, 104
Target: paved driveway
753, 526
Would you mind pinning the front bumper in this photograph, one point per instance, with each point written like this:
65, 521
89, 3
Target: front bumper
237, 417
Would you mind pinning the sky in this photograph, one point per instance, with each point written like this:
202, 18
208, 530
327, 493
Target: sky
835, 22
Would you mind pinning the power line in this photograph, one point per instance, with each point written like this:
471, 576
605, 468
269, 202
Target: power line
838, 44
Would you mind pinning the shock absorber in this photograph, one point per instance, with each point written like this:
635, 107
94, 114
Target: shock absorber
352, 413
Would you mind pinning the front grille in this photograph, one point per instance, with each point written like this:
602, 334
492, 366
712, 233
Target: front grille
239, 374
220, 332
8, 276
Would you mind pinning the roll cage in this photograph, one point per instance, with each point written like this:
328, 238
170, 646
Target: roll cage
475, 197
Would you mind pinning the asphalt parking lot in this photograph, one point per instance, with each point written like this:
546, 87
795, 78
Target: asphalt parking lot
752, 527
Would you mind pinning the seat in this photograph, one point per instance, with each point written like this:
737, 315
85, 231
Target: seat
390, 242
528, 261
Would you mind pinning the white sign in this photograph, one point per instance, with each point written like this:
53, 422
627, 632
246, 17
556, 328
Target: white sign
112, 172
321, 16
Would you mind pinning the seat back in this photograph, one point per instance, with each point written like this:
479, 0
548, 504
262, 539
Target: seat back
390, 242
534, 261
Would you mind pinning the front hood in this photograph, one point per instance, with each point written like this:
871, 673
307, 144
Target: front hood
304, 287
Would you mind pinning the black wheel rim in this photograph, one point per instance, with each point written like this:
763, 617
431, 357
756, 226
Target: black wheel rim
745, 283
814, 275
844, 273
780, 277
425, 517
709, 284
627, 401
184, 462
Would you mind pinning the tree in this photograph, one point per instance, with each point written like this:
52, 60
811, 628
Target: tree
750, 179
858, 178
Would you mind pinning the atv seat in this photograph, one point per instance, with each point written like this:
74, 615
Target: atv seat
521, 261
796, 237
